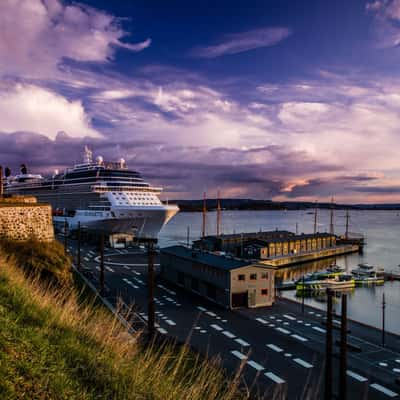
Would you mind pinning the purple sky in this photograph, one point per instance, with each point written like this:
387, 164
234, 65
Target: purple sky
261, 99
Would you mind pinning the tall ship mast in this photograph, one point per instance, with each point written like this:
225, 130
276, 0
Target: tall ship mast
103, 196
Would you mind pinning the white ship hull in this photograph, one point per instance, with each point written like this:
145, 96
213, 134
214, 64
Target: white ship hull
142, 222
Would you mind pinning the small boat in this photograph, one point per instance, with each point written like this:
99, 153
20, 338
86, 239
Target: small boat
368, 269
366, 274
338, 282
334, 268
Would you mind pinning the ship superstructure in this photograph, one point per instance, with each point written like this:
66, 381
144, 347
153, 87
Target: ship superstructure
103, 196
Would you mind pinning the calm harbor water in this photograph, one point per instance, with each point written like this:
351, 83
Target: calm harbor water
381, 229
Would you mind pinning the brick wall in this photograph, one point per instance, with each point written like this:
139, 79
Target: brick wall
23, 221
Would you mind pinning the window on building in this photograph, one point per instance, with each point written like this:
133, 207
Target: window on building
264, 292
253, 277
181, 278
211, 291
195, 284
264, 275
241, 277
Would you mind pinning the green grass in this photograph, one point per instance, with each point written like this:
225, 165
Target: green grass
54, 344
47, 259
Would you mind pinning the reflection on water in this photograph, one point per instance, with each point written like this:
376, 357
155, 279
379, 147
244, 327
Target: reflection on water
381, 229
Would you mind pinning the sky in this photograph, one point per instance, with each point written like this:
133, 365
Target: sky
269, 99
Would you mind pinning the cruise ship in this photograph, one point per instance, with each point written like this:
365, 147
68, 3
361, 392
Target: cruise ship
101, 196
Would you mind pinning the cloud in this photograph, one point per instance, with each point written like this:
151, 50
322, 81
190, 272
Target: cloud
244, 41
28, 107
36, 36
386, 26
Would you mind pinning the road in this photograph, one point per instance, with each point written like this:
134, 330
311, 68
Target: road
281, 349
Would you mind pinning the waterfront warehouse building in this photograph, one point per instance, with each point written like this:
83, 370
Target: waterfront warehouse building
288, 246
228, 281
233, 242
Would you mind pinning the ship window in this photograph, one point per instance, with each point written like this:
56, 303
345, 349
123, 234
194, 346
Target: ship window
253, 277
264, 292
241, 277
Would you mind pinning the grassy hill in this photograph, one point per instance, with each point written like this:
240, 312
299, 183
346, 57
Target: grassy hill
55, 344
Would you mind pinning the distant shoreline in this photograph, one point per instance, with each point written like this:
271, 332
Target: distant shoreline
268, 205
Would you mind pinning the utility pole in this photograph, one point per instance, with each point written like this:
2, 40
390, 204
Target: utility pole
302, 295
331, 225
328, 349
383, 319
297, 228
102, 263
315, 219
150, 301
188, 236
218, 214
343, 350
1, 182
346, 235
79, 245
203, 230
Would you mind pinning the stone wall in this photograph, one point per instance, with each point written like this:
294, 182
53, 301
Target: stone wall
23, 221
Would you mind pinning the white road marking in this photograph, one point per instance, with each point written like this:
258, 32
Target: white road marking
203, 331
311, 312
299, 321
275, 348
288, 355
274, 378
383, 364
308, 324
289, 317
224, 320
397, 370
255, 365
109, 269
242, 342
318, 315
317, 328
228, 334
384, 390
201, 308
98, 268
283, 330
197, 328
301, 338
238, 354
286, 323
86, 258
169, 322
263, 321
272, 317
211, 314
303, 363
216, 327
271, 325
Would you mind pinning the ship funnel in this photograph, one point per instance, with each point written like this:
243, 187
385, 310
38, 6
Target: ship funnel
23, 169
99, 160
122, 163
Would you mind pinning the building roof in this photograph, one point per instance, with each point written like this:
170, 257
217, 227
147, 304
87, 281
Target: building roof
226, 263
247, 235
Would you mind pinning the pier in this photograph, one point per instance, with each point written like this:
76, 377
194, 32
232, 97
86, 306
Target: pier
284, 261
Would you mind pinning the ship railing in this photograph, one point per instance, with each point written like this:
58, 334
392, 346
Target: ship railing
105, 188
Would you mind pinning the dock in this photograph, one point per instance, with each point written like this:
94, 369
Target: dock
284, 261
